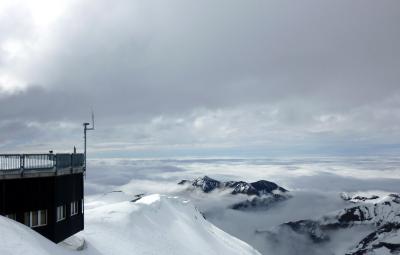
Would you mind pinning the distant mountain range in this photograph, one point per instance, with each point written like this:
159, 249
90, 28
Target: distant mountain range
382, 214
373, 218
261, 194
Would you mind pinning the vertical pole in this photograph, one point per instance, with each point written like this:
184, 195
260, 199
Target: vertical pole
84, 138
85, 129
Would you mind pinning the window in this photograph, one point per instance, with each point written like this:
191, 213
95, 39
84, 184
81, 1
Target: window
43, 217
35, 218
61, 212
74, 208
12, 216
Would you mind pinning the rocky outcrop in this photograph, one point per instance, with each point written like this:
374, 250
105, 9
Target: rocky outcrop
260, 202
385, 238
261, 194
384, 216
258, 188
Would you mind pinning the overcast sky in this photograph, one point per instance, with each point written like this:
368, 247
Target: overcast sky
201, 78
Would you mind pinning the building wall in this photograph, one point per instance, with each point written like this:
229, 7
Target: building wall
46, 193
73, 224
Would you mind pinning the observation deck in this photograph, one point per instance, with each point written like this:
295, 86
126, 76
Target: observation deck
14, 166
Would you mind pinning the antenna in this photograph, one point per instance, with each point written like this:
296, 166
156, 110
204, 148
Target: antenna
85, 129
92, 120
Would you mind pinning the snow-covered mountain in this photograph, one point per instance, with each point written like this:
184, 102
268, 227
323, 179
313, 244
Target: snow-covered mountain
361, 223
384, 240
257, 188
259, 194
154, 224
379, 214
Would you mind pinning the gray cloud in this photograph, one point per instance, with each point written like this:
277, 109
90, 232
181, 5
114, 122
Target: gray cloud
318, 72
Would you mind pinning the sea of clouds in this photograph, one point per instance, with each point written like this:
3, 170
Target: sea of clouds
315, 183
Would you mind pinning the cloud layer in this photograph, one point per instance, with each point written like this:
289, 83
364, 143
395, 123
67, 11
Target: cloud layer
200, 76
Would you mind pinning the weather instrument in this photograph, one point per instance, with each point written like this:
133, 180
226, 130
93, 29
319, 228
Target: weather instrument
87, 127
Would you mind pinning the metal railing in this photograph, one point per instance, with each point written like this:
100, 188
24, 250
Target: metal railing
9, 162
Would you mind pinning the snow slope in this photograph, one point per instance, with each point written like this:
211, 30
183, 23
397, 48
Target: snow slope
154, 224
157, 224
18, 239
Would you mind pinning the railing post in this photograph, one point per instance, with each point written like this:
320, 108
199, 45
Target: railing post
55, 161
21, 161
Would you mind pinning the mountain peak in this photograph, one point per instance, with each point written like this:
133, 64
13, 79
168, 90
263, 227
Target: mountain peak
258, 188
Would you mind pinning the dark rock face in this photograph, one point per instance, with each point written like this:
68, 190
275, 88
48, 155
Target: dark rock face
206, 183
396, 198
357, 198
260, 202
315, 230
354, 214
241, 188
368, 212
384, 216
183, 182
266, 187
262, 194
308, 227
376, 240
257, 188
137, 197
362, 198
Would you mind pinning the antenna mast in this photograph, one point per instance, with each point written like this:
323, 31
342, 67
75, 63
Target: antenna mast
86, 127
